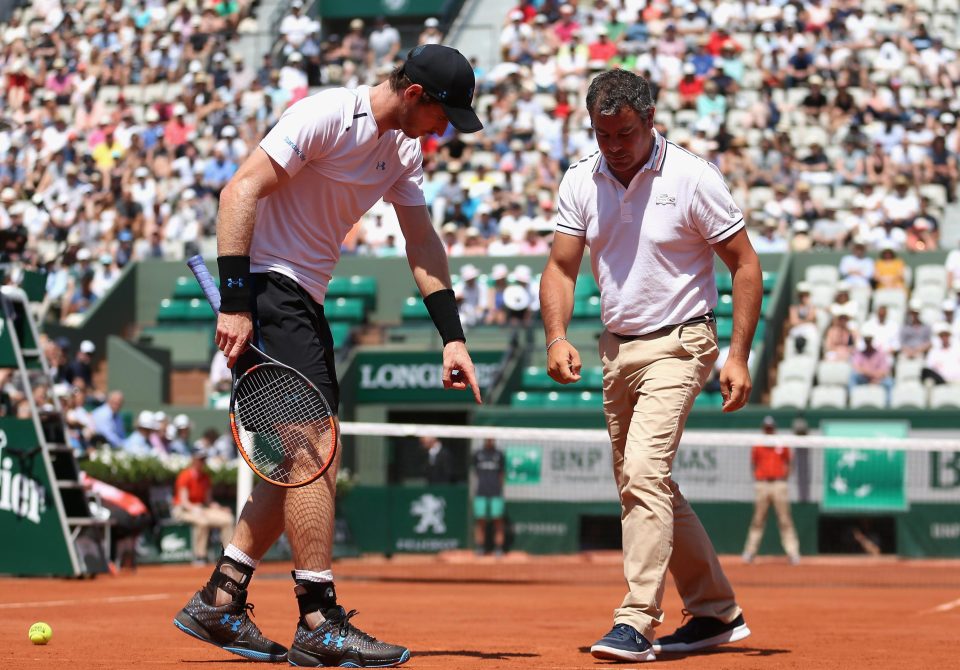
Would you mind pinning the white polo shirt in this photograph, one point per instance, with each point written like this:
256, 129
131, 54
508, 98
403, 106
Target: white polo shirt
650, 244
339, 168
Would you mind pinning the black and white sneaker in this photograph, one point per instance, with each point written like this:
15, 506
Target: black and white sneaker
623, 643
229, 627
337, 642
702, 632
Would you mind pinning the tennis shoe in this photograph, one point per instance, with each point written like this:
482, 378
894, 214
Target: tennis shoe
229, 627
623, 643
702, 632
337, 642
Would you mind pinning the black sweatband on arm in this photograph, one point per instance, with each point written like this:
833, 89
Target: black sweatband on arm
234, 283
442, 306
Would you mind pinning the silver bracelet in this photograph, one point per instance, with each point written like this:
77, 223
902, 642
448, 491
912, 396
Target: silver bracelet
555, 340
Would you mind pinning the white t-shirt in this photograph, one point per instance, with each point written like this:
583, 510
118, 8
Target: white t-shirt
650, 244
339, 168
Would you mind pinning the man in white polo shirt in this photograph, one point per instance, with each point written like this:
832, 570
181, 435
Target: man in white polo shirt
282, 219
653, 216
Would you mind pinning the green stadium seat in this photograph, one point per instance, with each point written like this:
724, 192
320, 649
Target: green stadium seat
708, 399
351, 310
760, 332
414, 310
198, 309
724, 282
354, 286
526, 399
724, 306
588, 400
173, 310
586, 308
591, 378
187, 288
586, 286
535, 377
341, 333
724, 329
769, 281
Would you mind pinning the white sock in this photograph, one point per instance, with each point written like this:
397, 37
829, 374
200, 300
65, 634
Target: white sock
240, 557
311, 576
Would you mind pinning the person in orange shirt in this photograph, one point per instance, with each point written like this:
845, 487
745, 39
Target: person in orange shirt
193, 503
771, 468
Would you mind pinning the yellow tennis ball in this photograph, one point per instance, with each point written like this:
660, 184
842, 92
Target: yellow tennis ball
40, 633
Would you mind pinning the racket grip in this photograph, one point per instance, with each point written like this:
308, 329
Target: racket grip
205, 279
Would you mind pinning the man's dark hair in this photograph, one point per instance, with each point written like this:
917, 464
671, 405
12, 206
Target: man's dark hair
611, 91
399, 82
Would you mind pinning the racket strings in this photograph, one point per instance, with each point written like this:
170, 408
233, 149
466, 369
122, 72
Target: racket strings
283, 424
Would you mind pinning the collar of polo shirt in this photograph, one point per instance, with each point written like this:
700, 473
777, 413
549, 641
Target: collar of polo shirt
655, 162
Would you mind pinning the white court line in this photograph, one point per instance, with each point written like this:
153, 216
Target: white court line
86, 601
945, 607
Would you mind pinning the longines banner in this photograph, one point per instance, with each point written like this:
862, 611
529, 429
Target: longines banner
417, 377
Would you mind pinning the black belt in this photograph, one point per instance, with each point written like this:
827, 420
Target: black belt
706, 318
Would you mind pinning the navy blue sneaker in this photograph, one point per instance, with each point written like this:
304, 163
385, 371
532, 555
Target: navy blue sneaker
702, 632
623, 643
228, 627
337, 642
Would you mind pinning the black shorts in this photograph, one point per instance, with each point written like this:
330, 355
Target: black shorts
290, 327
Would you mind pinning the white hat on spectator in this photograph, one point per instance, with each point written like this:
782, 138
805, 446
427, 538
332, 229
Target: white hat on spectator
956, 284
59, 63
433, 22
600, 30
189, 194
472, 232
83, 254
867, 331
179, 109
181, 421
859, 201
843, 286
815, 80
515, 145
469, 271
948, 306
8, 194
540, 18
522, 274
915, 305
151, 115
887, 245
948, 119
165, 42
801, 226
62, 390
499, 271
449, 228
297, 4
228, 131
219, 57
689, 68
942, 327
566, 8
17, 209
803, 287
195, 66
87, 347
356, 24
146, 420
141, 172
295, 57
516, 15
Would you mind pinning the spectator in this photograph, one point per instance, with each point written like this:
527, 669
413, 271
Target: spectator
431, 32
439, 467
489, 465
179, 435
80, 367
802, 327
941, 365
769, 241
193, 503
890, 269
839, 341
856, 268
139, 442
871, 365
886, 332
771, 470
915, 336
496, 311
107, 423
473, 306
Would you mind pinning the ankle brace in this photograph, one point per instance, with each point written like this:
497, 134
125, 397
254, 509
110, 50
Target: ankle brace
220, 580
314, 596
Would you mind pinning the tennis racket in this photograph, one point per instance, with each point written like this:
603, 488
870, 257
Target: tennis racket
282, 424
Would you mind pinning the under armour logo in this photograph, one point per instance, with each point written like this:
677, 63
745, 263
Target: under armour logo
442, 95
329, 641
234, 625
235, 283
381, 165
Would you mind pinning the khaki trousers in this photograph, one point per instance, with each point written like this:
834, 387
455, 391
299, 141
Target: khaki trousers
765, 493
201, 520
649, 385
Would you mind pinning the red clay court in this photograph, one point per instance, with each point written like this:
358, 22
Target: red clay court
457, 611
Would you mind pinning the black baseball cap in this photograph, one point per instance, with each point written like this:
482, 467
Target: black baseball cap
447, 77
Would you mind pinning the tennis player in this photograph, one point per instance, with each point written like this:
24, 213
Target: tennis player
653, 216
282, 220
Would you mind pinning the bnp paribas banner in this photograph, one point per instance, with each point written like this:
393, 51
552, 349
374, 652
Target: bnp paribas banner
417, 376
864, 479
29, 521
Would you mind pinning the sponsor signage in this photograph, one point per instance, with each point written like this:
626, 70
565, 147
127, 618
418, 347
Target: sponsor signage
429, 519
864, 479
417, 377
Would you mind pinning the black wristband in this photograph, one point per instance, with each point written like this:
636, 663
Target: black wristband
442, 306
235, 286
